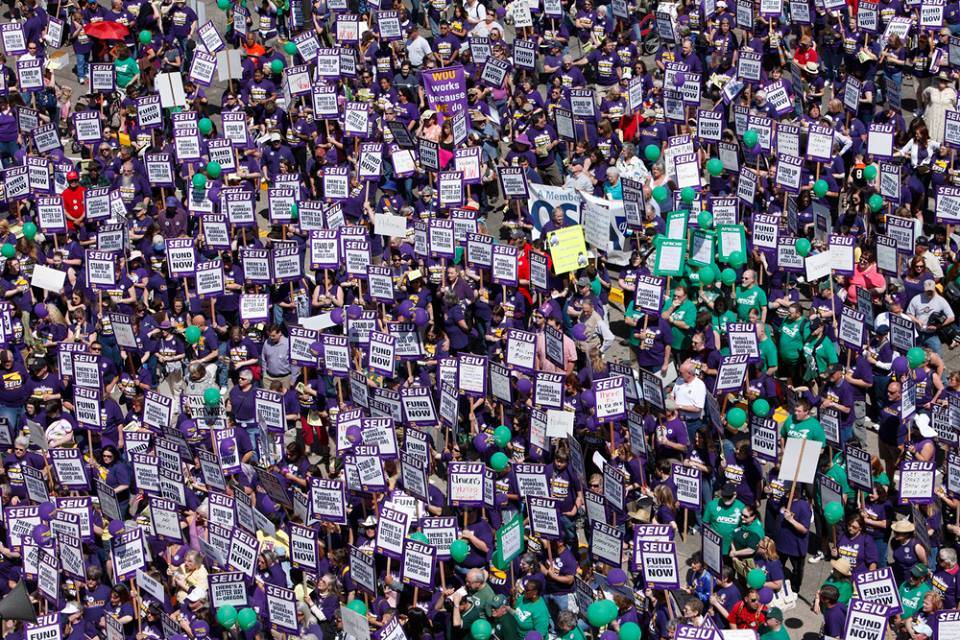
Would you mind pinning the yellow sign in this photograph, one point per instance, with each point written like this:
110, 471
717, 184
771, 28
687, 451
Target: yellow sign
568, 249
616, 295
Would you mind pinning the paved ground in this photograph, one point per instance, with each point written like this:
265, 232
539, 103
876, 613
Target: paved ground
801, 621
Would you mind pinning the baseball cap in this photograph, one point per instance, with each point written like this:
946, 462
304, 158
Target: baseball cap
746, 539
929, 285
775, 614
498, 601
919, 570
922, 629
583, 281
728, 491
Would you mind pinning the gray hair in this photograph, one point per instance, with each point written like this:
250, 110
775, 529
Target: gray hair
566, 619
22, 441
948, 555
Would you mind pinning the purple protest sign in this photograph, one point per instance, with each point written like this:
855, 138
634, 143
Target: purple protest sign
418, 564
445, 90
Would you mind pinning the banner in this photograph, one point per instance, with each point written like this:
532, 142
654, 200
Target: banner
543, 199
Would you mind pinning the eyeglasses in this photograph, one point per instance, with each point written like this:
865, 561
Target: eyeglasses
594, 486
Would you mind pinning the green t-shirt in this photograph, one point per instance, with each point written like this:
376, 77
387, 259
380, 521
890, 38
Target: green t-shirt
839, 474
823, 352
809, 429
756, 527
768, 352
126, 70
912, 599
533, 616
779, 634
720, 322
792, 335
845, 587
752, 298
505, 627
687, 313
723, 520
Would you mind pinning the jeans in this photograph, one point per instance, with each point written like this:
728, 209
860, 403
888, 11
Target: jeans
860, 413
8, 150
82, 66
881, 545
831, 62
253, 431
569, 527
706, 495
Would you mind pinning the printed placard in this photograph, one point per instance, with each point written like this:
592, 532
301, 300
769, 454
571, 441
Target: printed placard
879, 587
658, 561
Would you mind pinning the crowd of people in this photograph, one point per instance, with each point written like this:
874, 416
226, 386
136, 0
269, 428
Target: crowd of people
460, 320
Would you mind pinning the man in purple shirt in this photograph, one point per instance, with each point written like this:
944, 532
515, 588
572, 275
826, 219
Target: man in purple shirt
834, 613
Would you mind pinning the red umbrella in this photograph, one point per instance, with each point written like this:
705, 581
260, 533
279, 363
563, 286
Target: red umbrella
106, 30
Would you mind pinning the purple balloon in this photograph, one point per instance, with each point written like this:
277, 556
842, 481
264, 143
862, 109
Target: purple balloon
354, 436
228, 447
679, 79
481, 442
579, 332
609, 635
766, 595
337, 315
42, 535
40, 309
524, 386
46, 510
354, 311
900, 366
589, 400
115, 527
317, 347
404, 308
420, 317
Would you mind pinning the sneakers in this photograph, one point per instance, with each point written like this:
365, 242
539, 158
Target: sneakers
815, 559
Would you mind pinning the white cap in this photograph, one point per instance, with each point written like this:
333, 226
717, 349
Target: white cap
922, 629
70, 609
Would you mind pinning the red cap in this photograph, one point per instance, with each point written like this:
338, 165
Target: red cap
73, 175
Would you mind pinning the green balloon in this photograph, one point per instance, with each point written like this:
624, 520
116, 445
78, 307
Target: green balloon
630, 631
760, 407
736, 417
705, 220
706, 275
875, 202
502, 435
29, 230
916, 357
499, 461
728, 276
651, 152
289, 48
802, 247
192, 334
870, 172
227, 616
214, 169
211, 396
8, 250
737, 259
601, 613
224, 5
294, 211
459, 550
357, 606
205, 125
750, 138
145, 37
833, 512
199, 180
714, 167
820, 188
420, 536
276, 67
688, 195
247, 618
756, 578
660, 194
480, 629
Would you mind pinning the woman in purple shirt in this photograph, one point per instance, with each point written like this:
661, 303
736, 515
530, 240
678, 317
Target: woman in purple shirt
856, 546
